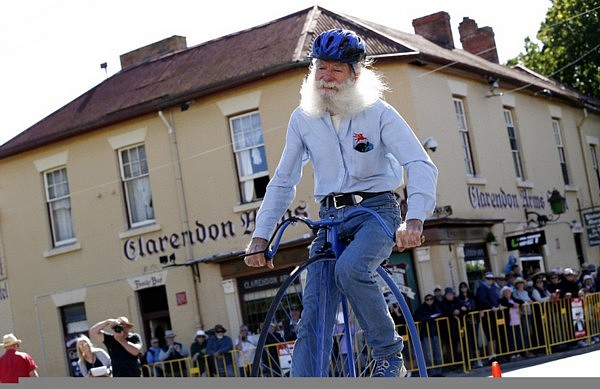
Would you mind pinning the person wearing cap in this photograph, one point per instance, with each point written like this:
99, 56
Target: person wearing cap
360, 148
198, 352
438, 295
449, 330
539, 294
511, 314
488, 294
569, 287
124, 346
520, 292
14, 363
175, 365
500, 282
154, 355
219, 349
587, 286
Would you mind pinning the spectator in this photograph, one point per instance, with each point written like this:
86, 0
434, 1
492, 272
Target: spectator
91, 357
554, 283
450, 332
154, 355
123, 346
270, 356
396, 313
526, 313
500, 283
539, 294
512, 260
488, 295
468, 310
513, 319
198, 352
219, 348
587, 286
14, 363
291, 325
569, 285
245, 347
175, 365
510, 280
426, 314
438, 296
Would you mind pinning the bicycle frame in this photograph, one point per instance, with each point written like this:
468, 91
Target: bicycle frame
337, 247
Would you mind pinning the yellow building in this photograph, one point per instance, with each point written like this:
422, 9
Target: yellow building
138, 197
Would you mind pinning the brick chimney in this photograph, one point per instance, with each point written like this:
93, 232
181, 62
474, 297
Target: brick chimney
153, 51
436, 28
478, 41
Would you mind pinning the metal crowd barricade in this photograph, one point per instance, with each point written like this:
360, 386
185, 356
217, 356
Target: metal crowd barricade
462, 341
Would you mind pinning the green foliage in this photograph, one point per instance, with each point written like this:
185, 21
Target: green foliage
570, 45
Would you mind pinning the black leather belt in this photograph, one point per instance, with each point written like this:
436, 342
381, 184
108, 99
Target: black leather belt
341, 200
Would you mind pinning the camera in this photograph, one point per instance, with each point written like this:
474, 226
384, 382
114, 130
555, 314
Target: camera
118, 328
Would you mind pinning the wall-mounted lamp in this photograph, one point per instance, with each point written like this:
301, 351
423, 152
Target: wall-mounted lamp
558, 206
430, 143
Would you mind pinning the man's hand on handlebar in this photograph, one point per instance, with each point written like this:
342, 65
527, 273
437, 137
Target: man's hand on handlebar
409, 234
258, 246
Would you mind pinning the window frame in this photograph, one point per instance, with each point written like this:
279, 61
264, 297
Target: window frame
463, 132
52, 200
248, 194
514, 143
560, 148
143, 175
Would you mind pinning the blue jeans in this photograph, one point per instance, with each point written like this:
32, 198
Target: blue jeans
352, 274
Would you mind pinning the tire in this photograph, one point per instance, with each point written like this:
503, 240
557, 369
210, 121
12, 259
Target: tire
275, 360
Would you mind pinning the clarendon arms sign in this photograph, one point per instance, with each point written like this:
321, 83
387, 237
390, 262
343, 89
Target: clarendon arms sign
505, 200
202, 233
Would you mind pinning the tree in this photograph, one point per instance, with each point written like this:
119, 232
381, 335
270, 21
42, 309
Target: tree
570, 45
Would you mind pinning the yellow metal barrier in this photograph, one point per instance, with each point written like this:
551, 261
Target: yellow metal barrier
463, 342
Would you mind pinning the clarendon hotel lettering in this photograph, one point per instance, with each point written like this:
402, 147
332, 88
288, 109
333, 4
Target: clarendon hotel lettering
135, 248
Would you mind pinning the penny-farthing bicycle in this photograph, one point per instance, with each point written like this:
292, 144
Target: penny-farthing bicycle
275, 360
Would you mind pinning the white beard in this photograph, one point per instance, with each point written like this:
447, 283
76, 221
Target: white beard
351, 97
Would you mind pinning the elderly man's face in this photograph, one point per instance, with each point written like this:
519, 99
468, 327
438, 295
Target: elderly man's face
332, 77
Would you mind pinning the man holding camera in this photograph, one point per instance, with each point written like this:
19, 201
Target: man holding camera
123, 346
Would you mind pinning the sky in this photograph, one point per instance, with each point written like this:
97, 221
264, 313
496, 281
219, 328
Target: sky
52, 49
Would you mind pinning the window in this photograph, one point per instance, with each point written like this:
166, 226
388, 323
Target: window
58, 200
136, 185
250, 156
560, 148
594, 155
514, 144
463, 131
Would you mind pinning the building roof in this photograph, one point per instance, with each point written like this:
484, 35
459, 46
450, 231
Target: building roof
281, 45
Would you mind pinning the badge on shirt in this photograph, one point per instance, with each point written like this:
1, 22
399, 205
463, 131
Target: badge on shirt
361, 143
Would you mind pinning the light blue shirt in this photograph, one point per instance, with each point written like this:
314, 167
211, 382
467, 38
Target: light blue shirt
368, 153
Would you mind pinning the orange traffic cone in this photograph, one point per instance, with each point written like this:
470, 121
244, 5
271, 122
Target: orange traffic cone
496, 371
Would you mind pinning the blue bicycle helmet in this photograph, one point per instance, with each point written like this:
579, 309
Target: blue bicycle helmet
339, 45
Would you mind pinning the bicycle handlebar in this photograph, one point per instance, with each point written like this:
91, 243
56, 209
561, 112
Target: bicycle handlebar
314, 225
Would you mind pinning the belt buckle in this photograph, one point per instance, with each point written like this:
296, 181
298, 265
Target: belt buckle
334, 201
356, 199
